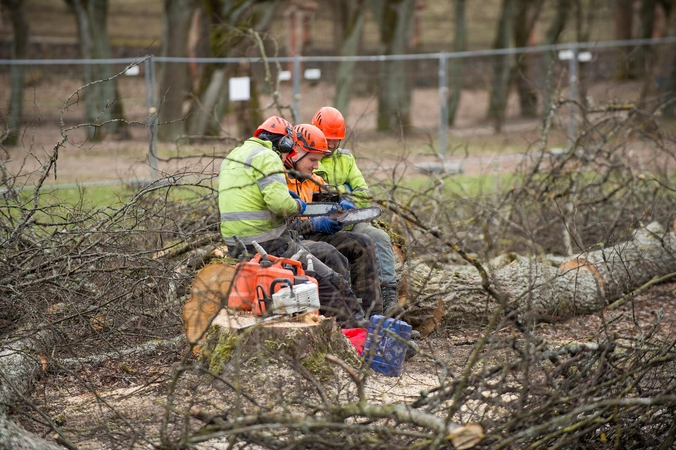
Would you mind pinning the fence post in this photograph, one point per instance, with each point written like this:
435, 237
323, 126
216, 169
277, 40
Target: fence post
296, 88
442, 138
573, 66
151, 103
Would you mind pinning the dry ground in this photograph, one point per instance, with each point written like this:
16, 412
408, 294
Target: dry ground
132, 392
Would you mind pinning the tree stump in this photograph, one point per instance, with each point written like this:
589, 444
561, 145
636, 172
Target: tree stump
237, 339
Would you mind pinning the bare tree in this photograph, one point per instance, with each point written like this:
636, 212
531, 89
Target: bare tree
234, 29
456, 66
624, 20
502, 65
526, 17
352, 14
549, 59
102, 100
395, 22
16, 11
174, 80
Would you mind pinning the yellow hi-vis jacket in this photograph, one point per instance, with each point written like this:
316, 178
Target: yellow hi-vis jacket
340, 169
252, 195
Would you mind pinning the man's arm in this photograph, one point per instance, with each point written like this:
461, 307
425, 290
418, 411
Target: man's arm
356, 183
272, 184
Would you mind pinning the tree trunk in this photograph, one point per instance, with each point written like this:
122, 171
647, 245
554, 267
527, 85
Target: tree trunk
351, 35
14, 437
549, 58
662, 61
174, 80
624, 15
102, 101
455, 72
17, 15
224, 17
647, 21
501, 66
395, 21
524, 24
539, 290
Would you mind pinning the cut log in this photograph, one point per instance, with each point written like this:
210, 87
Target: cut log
208, 294
20, 364
534, 289
538, 290
650, 252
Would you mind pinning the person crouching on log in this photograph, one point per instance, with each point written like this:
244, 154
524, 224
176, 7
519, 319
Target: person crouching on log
255, 205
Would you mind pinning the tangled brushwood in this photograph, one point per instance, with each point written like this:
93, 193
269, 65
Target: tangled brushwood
93, 353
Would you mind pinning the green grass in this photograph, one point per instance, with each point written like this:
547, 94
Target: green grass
464, 185
114, 196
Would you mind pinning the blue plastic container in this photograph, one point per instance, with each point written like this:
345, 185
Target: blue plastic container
381, 349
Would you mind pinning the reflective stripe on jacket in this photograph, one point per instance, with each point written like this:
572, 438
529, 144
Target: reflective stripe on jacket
341, 168
252, 195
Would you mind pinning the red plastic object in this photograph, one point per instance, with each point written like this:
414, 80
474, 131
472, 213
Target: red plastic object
357, 337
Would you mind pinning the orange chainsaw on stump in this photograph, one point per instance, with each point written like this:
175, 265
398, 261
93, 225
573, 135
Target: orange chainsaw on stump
274, 287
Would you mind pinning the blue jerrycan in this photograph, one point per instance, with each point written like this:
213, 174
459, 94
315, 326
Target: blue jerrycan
381, 349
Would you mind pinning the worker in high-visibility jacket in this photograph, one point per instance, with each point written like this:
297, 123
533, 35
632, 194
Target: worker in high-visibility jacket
255, 205
339, 170
358, 248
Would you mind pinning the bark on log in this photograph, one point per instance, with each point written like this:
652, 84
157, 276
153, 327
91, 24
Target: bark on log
20, 364
650, 252
539, 290
14, 437
536, 290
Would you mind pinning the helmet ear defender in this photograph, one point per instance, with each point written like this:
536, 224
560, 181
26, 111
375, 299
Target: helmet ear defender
286, 144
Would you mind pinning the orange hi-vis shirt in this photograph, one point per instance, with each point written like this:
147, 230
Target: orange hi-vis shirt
305, 187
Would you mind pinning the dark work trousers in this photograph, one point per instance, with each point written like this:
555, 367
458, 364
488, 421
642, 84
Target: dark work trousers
331, 270
360, 251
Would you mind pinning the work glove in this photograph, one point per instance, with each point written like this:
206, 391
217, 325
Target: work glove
346, 204
325, 225
301, 203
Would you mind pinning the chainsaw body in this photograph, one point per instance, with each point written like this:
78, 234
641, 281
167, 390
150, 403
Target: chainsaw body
273, 285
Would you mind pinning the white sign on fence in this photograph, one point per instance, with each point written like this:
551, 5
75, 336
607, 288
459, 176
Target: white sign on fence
565, 55
239, 89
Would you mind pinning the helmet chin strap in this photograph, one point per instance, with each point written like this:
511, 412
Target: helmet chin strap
296, 161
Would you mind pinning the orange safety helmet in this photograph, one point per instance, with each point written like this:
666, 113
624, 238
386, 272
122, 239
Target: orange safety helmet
311, 139
331, 122
274, 125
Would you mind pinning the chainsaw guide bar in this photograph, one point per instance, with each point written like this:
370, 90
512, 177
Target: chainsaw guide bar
321, 209
352, 216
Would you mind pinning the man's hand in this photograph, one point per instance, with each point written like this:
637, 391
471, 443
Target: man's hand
301, 203
325, 225
346, 205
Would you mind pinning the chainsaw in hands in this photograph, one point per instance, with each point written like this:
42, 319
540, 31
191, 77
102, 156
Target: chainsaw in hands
344, 217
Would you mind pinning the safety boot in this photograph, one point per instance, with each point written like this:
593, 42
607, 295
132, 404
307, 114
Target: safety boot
390, 294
